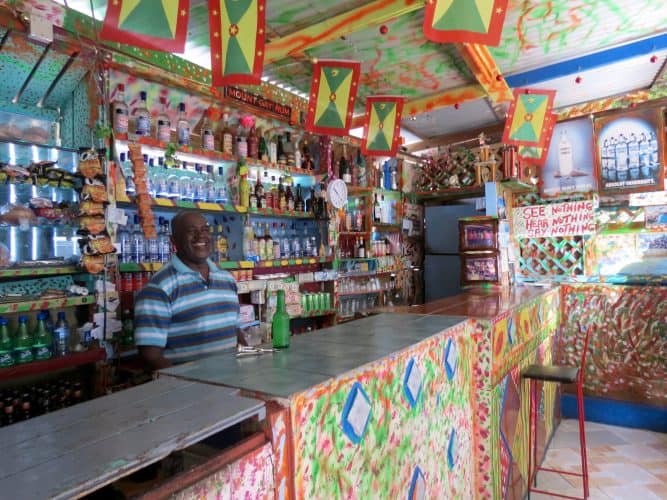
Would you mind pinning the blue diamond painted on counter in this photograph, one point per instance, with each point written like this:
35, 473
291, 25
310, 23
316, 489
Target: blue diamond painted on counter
417, 489
511, 330
356, 413
452, 450
412, 383
451, 358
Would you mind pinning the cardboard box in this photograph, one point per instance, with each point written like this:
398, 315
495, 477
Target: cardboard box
246, 313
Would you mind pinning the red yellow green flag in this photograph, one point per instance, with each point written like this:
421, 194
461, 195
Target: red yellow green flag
465, 21
237, 34
538, 155
525, 124
382, 129
333, 91
149, 24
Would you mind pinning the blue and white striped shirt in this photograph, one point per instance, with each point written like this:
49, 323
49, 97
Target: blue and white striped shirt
189, 318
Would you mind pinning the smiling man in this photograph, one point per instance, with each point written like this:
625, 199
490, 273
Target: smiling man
190, 307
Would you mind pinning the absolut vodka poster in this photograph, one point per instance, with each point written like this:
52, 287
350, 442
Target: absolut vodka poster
629, 151
569, 167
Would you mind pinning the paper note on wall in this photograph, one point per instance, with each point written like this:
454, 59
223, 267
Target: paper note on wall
558, 219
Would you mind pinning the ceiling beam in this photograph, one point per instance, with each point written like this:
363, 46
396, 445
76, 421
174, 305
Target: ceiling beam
372, 14
491, 131
482, 65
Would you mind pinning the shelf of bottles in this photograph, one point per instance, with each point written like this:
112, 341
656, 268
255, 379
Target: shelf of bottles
19, 306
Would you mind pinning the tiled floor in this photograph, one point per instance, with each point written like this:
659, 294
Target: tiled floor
622, 463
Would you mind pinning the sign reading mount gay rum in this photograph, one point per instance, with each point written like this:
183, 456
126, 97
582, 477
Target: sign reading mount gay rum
574, 218
258, 102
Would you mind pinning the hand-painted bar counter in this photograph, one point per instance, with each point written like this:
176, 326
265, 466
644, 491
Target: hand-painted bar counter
401, 404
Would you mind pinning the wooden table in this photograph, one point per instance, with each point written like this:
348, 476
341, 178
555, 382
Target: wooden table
76, 451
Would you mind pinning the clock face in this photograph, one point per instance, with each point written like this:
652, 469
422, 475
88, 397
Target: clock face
337, 193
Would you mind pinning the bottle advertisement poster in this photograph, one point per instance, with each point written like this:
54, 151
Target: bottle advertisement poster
629, 151
569, 167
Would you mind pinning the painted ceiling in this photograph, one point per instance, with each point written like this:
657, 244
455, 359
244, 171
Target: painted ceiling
585, 49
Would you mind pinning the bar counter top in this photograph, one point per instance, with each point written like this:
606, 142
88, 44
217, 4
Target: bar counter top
480, 303
318, 356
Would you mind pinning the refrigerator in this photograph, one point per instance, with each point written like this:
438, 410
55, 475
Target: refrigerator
442, 260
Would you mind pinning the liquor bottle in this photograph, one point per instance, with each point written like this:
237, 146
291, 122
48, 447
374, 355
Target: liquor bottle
143, 123
298, 202
185, 186
227, 136
359, 222
199, 183
276, 241
253, 143
151, 185
380, 183
259, 248
152, 252
268, 244
348, 216
362, 179
298, 158
273, 150
295, 250
119, 111
248, 238
361, 249
221, 187
306, 160
289, 198
209, 185
164, 242
284, 242
377, 210
280, 323
282, 198
306, 248
280, 150
241, 146
344, 169
163, 128
394, 176
565, 162
633, 157
130, 187
384, 211
138, 244
182, 126
311, 201
42, 340
23, 342
622, 158
259, 191
262, 147
268, 191
173, 182
244, 191
61, 335
207, 135
6, 345
252, 199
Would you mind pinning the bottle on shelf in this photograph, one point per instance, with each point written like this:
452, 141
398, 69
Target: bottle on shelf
124, 242
221, 187
282, 198
259, 191
361, 249
284, 242
42, 340
164, 241
241, 146
182, 126
137, 242
220, 242
253, 143
130, 188
163, 128
344, 168
362, 179
359, 214
199, 183
280, 150
244, 191
273, 150
298, 202
119, 111
269, 189
61, 333
227, 136
23, 342
311, 201
185, 187
143, 122
298, 158
268, 244
207, 134
262, 147
296, 244
151, 186
248, 238
377, 210
6, 345
253, 199
173, 182
394, 176
209, 186
280, 323
289, 198
384, 211
276, 241
306, 248
152, 252
257, 242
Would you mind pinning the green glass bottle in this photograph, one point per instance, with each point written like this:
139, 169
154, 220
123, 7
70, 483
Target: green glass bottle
280, 323
23, 342
6, 345
42, 340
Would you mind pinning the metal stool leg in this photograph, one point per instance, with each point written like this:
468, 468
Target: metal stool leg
533, 429
582, 437
530, 435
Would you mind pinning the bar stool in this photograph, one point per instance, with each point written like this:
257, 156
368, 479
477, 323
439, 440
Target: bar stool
563, 375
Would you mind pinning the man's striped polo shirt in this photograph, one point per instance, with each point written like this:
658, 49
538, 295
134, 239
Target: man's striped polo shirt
179, 311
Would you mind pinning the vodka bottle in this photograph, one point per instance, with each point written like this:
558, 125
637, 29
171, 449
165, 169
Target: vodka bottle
163, 128
306, 249
284, 242
296, 244
221, 187
119, 111
137, 243
227, 136
199, 183
565, 163
207, 137
633, 156
182, 126
273, 150
622, 158
151, 186
186, 191
644, 156
153, 250
164, 242
124, 242
143, 123
248, 238
161, 180
130, 188
209, 185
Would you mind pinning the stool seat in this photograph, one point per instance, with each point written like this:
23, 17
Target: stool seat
551, 373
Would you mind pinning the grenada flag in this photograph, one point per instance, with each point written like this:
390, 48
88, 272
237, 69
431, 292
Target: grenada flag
333, 91
237, 34
465, 21
527, 118
382, 129
150, 24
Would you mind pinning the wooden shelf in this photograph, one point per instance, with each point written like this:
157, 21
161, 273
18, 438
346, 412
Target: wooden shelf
451, 193
39, 304
20, 272
50, 365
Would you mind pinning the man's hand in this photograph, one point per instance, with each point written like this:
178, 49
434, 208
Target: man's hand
153, 357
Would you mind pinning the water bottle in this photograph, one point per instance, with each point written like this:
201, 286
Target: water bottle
61, 335
137, 243
125, 244
153, 250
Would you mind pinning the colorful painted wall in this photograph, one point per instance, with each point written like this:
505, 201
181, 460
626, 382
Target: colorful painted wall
401, 426
628, 347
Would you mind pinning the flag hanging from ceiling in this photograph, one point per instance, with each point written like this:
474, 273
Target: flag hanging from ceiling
525, 124
538, 155
332, 94
382, 128
236, 30
465, 21
149, 24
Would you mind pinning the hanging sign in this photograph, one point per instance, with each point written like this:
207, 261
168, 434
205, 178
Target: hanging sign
463, 21
573, 218
527, 120
258, 102
382, 129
